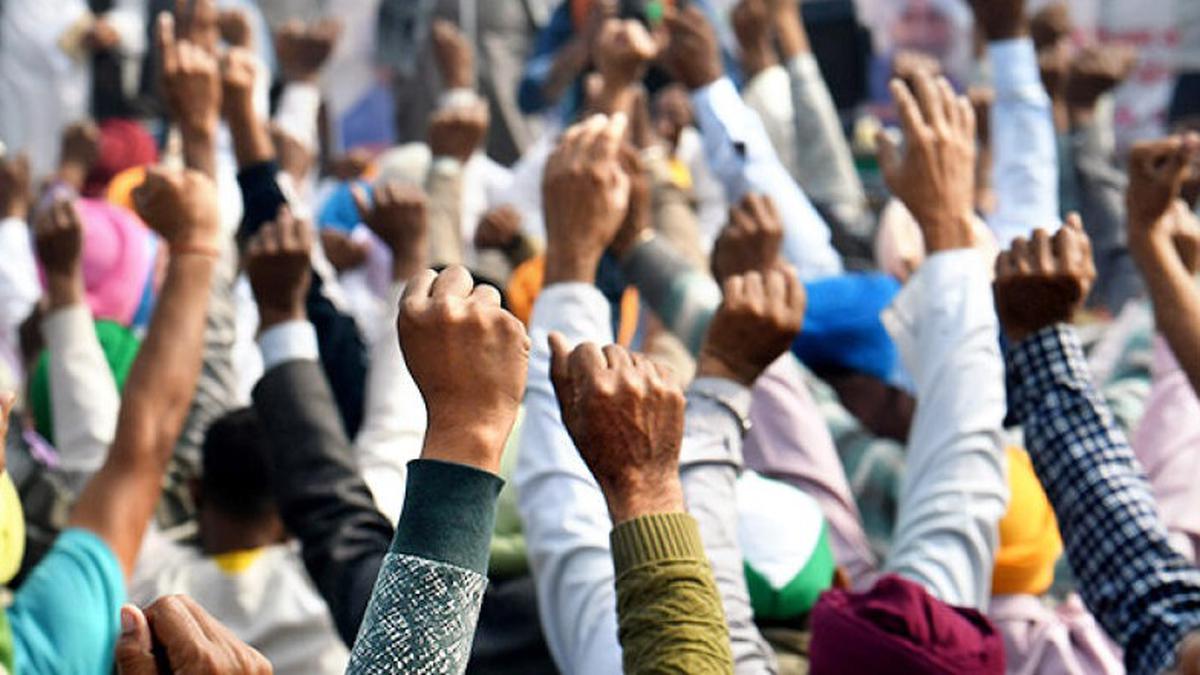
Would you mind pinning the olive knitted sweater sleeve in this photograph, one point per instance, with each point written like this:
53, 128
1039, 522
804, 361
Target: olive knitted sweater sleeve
669, 611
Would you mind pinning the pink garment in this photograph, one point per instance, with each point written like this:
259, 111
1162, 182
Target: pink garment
1167, 443
117, 259
1065, 640
789, 441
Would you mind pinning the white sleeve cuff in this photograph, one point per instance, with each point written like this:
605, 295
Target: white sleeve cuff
1014, 65
291, 341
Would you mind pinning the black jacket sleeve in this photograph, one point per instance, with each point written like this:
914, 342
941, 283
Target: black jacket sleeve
322, 497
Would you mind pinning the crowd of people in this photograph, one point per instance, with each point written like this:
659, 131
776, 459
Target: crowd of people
630, 350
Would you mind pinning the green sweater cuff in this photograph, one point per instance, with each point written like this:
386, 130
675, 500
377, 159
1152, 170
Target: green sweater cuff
449, 514
655, 538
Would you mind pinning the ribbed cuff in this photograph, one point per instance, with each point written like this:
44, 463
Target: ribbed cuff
449, 514
655, 538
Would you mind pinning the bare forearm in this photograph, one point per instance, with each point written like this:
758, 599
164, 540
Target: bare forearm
251, 138
789, 30
1176, 302
200, 151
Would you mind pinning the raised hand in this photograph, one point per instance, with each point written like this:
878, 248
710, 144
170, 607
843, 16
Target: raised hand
585, 196
15, 186
239, 71
303, 50
190, 77
1050, 25
935, 175
1095, 71
751, 241
181, 206
398, 216
279, 264
191, 639
1157, 170
234, 25
469, 358
58, 239
906, 64
625, 415
1000, 19
693, 55
457, 132
80, 145
638, 224
498, 228
1043, 281
621, 52
757, 321
199, 25
454, 56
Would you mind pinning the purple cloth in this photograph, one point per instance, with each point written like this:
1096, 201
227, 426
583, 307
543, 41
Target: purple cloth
897, 627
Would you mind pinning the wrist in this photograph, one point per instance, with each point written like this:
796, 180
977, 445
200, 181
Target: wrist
269, 317
64, 288
757, 58
1081, 115
1001, 33
948, 232
570, 266
16, 208
473, 444
73, 173
645, 498
711, 365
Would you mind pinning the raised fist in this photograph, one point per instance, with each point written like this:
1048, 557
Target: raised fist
1000, 19
58, 239
621, 52
693, 55
192, 640
469, 358
756, 323
191, 80
1095, 71
239, 71
750, 241
1043, 281
457, 132
935, 175
399, 217
181, 206
234, 25
15, 186
585, 197
278, 261
498, 228
1157, 170
303, 50
625, 415
80, 145
200, 24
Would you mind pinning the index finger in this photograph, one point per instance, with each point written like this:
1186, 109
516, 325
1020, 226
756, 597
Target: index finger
166, 42
418, 287
910, 112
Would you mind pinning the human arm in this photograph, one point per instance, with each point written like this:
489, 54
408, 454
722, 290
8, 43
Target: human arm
187, 637
117, 503
738, 148
192, 86
1145, 594
1024, 146
559, 56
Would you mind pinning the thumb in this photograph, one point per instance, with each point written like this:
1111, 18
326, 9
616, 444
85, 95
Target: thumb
134, 655
560, 350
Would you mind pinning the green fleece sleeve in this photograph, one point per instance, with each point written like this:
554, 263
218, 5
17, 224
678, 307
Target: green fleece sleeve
669, 612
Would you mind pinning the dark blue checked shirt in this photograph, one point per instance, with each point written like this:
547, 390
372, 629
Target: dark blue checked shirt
1145, 594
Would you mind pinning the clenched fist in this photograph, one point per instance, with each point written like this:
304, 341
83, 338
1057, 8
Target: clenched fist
625, 415
239, 70
1043, 281
1095, 71
398, 216
58, 238
191, 80
469, 358
303, 50
757, 321
457, 132
693, 55
621, 52
278, 263
1157, 170
750, 241
499, 228
15, 186
181, 206
192, 641
585, 197
935, 175
1000, 19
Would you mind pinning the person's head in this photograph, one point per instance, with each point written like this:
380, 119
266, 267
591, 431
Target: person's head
235, 488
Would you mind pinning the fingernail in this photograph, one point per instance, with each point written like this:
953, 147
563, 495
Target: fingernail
128, 621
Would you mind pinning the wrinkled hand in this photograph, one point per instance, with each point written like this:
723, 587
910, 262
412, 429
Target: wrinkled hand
757, 321
399, 217
303, 50
1096, 71
751, 241
469, 358
693, 55
935, 176
15, 186
181, 206
193, 641
80, 145
454, 56
234, 25
458, 132
585, 197
1000, 19
625, 415
498, 228
278, 261
1157, 170
58, 240
622, 51
191, 80
1043, 281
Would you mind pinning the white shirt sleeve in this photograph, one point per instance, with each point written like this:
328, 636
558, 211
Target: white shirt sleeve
1024, 144
19, 287
83, 393
767, 95
955, 487
299, 106
740, 153
291, 341
565, 517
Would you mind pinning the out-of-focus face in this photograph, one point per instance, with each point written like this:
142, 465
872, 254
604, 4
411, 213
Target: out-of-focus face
923, 27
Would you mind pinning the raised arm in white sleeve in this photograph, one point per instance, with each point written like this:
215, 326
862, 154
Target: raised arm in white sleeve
1024, 145
955, 488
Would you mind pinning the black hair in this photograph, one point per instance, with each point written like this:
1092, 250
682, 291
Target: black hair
236, 478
